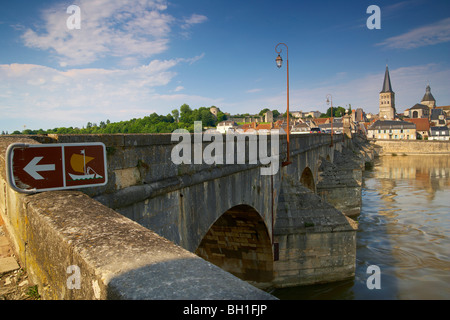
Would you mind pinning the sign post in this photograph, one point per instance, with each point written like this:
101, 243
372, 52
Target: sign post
34, 168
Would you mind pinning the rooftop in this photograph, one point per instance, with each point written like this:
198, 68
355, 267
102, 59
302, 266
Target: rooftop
419, 106
428, 96
422, 124
391, 124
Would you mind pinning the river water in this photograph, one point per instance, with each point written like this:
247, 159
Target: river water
404, 229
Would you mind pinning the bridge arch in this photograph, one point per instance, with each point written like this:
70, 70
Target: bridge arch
307, 179
239, 242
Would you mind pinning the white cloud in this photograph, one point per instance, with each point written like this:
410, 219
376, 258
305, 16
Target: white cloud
194, 19
432, 34
126, 28
254, 90
39, 95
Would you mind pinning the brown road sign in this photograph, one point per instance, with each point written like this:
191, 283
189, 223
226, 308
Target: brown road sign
44, 167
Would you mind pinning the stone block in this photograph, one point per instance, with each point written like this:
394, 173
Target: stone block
8, 264
127, 177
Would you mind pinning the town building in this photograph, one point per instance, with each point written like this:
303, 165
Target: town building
301, 128
225, 126
268, 116
337, 127
438, 118
422, 127
419, 111
446, 110
439, 133
392, 130
358, 115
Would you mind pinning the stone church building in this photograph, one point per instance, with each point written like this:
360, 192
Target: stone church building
387, 99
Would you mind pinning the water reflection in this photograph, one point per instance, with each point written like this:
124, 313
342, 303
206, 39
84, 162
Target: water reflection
404, 228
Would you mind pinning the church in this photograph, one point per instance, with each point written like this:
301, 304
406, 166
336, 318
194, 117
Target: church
387, 127
387, 99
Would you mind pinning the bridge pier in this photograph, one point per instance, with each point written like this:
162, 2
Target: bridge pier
340, 181
317, 243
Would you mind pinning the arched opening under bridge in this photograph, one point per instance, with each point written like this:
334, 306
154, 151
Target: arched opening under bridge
239, 243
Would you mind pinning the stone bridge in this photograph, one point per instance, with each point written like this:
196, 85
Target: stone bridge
286, 229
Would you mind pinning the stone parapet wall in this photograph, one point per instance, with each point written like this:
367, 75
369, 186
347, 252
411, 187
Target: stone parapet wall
388, 147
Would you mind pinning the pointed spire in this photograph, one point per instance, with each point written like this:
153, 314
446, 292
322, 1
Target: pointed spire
387, 82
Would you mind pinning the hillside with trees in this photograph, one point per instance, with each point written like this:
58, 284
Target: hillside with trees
154, 123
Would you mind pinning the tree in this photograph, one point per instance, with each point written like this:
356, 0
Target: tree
176, 114
263, 111
285, 115
207, 118
221, 117
337, 112
185, 113
276, 113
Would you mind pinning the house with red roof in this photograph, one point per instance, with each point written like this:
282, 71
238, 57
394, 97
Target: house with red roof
422, 127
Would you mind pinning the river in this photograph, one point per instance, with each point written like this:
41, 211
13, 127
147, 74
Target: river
404, 229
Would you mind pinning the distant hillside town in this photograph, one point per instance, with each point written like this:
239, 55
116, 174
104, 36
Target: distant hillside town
423, 121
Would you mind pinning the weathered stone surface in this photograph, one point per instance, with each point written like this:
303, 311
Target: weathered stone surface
340, 181
411, 147
115, 256
8, 264
317, 243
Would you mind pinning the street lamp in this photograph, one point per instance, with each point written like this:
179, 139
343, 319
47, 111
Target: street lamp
279, 62
330, 101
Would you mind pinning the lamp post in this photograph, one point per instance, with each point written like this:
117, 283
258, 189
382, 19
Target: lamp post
330, 101
279, 62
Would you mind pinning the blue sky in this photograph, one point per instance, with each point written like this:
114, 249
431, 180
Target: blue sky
131, 58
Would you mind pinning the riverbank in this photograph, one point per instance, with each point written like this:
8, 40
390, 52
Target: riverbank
410, 147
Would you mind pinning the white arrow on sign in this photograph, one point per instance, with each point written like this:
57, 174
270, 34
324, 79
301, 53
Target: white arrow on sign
32, 168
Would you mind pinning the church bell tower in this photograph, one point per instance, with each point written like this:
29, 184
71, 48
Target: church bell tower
387, 99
